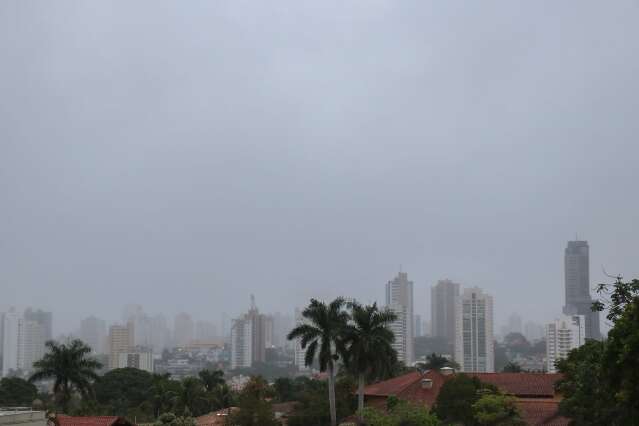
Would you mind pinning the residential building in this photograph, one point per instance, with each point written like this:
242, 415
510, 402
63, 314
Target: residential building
142, 359
562, 336
443, 297
534, 331
31, 345
418, 325
515, 323
248, 337
474, 340
399, 298
205, 331
577, 286
534, 394
183, 329
93, 332
12, 338
120, 341
160, 334
45, 319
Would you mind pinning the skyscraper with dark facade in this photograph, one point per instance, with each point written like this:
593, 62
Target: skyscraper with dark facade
443, 297
577, 286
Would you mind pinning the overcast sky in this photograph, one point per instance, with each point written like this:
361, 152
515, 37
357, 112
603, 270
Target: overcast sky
183, 155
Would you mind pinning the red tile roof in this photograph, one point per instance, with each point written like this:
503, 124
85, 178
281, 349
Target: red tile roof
522, 384
216, 418
537, 400
64, 420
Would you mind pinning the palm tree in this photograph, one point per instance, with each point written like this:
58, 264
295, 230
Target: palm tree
163, 393
322, 335
211, 379
71, 368
191, 395
369, 345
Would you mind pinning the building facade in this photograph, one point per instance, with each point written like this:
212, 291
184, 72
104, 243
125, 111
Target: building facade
183, 329
140, 359
120, 342
249, 337
399, 298
577, 286
443, 298
562, 336
12, 336
474, 340
300, 353
93, 333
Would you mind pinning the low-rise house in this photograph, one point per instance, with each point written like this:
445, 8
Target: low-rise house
534, 392
63, 420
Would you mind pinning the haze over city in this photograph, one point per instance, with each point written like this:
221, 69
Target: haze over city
184, 158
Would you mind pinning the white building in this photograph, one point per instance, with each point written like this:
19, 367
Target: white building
93, 332
474, 340
142, 360
562, 336
241, 343
32, 344
12, 337
399, 298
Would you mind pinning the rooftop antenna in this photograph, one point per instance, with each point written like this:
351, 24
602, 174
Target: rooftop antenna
252, 301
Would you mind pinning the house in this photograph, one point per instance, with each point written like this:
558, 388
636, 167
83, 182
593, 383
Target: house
62, 420
534, 392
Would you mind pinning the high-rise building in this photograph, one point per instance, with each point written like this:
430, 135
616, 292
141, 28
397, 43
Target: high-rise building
534, 331
300, 353
141, 359
515, 323
562, 336
399, 298
160, 333
183, 329
577, 286
12, 337
31, 345
93, 333
443, 297
268, 331
120, 341
205, 330
248, 338
474, 341
418, 325
45, 319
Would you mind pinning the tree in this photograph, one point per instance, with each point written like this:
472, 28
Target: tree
122, 389
313, 409
369, 342
512, 367
191, 396
170, 419
163, 393
221, 397
425, 345
322, 335
401, 414
17, 391
600, 381
71, 368
456, 398
437, 362
497, 410
253, 409
211, 379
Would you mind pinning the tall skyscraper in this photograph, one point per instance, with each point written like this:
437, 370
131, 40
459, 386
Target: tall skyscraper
474, 341
443, 297
45, 319
160, 333
12, 337
399, 298
183, 329
418, 325
577, 286
562, 336
93, 333
31, 345
120, 341
248, 338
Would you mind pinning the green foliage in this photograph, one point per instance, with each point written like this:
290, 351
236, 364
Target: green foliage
402, 414
600, 381
496, 410
512, 367
191, 397
456, 398
437, 362
211, 379
170, 419
267, 370
313, 408
123, 389
71, 368
254, 409
17, 392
